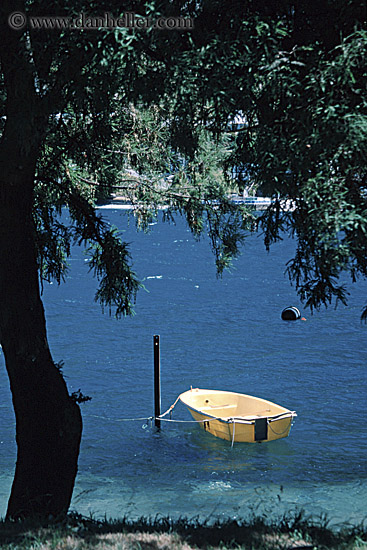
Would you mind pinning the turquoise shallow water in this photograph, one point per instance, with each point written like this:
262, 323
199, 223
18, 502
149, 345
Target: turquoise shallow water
223, 334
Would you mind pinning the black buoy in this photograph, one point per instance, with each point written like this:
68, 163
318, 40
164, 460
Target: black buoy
291, 314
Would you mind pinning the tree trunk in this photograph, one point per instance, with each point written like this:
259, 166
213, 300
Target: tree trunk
48, 420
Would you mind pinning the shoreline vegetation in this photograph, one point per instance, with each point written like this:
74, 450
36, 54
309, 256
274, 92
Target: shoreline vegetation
77, 532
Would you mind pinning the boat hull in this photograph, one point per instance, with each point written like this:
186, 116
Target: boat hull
238, 417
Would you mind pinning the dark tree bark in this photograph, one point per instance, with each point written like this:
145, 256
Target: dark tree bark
48, 420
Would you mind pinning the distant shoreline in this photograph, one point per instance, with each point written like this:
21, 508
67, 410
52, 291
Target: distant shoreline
259, 203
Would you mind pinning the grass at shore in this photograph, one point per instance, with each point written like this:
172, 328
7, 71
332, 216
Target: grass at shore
80, 533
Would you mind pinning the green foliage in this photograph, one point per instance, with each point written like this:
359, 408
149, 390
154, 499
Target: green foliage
139, 114
308, 145
110, 263
136, 156
145, 114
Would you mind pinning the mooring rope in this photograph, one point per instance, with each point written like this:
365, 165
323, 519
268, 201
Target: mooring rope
280, 433
151, 419
170, 409
121, 419
189, 421
139, 419
285, 414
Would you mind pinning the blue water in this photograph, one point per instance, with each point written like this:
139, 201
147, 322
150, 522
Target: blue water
215, 333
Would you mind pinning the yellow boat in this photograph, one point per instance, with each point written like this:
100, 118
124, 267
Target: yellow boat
236, 416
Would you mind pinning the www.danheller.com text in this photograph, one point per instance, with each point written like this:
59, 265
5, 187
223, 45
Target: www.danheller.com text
129, 20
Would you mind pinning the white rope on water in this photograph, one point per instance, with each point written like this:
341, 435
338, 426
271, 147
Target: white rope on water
151, 419
234, 428
210, 419
140, 419
120, 419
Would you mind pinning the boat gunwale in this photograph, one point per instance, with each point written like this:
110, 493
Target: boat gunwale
240, 419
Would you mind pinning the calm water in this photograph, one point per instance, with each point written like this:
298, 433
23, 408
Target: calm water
223, 334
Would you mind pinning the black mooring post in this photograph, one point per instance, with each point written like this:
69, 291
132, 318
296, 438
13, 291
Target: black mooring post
157, 382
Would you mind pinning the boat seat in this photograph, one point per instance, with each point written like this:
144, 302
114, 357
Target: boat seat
256, 414
211, 407
249, 417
